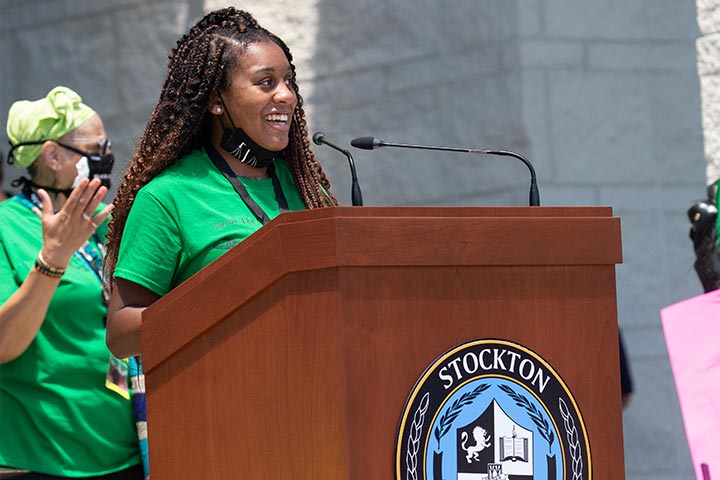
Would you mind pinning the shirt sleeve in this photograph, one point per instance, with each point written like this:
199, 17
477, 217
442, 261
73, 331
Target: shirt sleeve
151, 246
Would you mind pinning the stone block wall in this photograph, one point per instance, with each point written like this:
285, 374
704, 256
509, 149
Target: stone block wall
603, 97
708, 54
613, 109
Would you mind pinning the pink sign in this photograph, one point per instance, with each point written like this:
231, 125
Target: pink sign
692, 334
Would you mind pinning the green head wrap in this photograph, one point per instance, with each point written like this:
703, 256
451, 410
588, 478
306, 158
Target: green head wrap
49, 118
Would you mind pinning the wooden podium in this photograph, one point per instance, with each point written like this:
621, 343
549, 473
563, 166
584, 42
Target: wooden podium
292, 356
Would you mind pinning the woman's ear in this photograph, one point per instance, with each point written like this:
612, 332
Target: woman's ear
49, 155
215, 107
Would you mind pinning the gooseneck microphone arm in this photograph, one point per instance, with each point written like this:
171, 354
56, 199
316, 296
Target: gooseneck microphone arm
355, 193
371, 143
534, 192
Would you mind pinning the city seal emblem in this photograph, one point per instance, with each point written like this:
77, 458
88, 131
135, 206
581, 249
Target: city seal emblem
492, 410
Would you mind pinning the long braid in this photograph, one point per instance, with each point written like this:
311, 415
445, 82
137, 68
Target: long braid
197, 68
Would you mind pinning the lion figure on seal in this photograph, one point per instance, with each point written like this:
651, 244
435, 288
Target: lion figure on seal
482, 441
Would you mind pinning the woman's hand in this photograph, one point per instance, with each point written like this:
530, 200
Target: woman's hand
68, 229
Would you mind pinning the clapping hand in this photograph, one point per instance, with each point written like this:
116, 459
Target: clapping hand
68, 229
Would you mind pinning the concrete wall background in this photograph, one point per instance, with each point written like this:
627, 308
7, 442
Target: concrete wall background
708, 48
602, 96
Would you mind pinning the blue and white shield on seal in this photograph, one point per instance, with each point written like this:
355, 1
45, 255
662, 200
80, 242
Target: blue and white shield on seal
494, 446
501, 432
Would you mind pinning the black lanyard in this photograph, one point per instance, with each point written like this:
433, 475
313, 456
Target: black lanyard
228, 173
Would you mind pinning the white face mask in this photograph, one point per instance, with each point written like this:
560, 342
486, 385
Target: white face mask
83, 170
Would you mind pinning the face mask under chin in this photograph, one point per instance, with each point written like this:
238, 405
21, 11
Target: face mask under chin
238, 144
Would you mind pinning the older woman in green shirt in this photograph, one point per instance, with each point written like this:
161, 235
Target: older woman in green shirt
64, 406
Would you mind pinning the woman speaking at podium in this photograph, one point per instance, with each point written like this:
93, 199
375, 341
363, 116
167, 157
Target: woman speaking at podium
225, 150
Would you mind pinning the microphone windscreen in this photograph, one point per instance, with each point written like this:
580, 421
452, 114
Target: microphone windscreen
318, 137
366, 143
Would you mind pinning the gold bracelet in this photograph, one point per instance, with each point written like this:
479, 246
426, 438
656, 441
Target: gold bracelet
42, 266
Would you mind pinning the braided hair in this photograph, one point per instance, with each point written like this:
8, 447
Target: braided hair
198, 67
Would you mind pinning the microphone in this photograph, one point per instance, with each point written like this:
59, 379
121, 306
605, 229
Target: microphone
371, 143
319, 139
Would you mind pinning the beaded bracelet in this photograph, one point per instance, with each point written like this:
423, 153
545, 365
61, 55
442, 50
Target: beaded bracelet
42, 266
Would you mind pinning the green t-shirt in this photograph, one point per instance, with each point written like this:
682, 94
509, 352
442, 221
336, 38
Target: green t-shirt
56, 415
190, 215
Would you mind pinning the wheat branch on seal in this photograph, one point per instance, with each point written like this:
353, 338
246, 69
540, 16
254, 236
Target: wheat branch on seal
535, 415
414, 438
447, 419
573, 441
